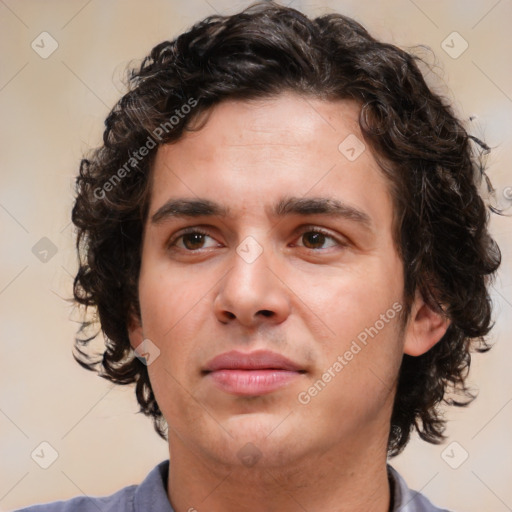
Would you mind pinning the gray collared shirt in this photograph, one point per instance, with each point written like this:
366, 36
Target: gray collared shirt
151, 496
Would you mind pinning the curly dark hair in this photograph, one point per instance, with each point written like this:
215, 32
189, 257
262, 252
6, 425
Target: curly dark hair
433, 166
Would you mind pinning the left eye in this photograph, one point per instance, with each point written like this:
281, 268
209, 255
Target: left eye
314, 239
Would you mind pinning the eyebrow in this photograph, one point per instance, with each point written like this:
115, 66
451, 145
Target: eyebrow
321, 206
190, 208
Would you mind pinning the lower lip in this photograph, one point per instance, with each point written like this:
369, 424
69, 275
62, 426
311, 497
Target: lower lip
252, 382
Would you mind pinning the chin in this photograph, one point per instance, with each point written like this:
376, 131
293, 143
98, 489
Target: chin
258, 425
262, 439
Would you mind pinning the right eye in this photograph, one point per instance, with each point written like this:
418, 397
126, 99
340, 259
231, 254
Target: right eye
191, 240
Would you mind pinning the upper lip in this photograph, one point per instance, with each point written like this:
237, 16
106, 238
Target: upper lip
257, 360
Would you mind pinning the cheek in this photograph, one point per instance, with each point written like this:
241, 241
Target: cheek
166, 299
359, 370
361, 311
172, 314
348, 300
170, 319
173, 395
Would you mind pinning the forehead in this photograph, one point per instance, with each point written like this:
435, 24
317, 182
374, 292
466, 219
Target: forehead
250, 154
287, 122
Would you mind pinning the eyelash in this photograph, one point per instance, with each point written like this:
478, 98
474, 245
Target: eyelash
308, 229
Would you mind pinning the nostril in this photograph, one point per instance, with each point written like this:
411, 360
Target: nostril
266, 312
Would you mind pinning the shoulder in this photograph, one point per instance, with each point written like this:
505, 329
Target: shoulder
407, 500
121, 500
133, 498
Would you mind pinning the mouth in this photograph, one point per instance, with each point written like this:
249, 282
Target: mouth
251, 374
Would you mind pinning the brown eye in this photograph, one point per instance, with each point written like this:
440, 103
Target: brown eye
313, 240
193, 241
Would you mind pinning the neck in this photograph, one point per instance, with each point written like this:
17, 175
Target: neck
337, 480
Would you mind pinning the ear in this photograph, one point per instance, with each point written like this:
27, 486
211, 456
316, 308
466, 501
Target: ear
424, 329
135, 332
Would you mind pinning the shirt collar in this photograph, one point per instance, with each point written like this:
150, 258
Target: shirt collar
407, 500
151, 494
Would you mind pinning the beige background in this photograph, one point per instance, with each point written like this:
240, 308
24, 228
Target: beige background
54, 108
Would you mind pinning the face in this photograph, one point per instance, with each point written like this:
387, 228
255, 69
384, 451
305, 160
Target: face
271, 286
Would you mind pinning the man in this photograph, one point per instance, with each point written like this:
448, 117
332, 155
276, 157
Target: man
283, 237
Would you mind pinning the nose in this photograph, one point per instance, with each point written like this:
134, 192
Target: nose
252, 293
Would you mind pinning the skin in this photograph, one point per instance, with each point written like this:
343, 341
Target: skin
306, 297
